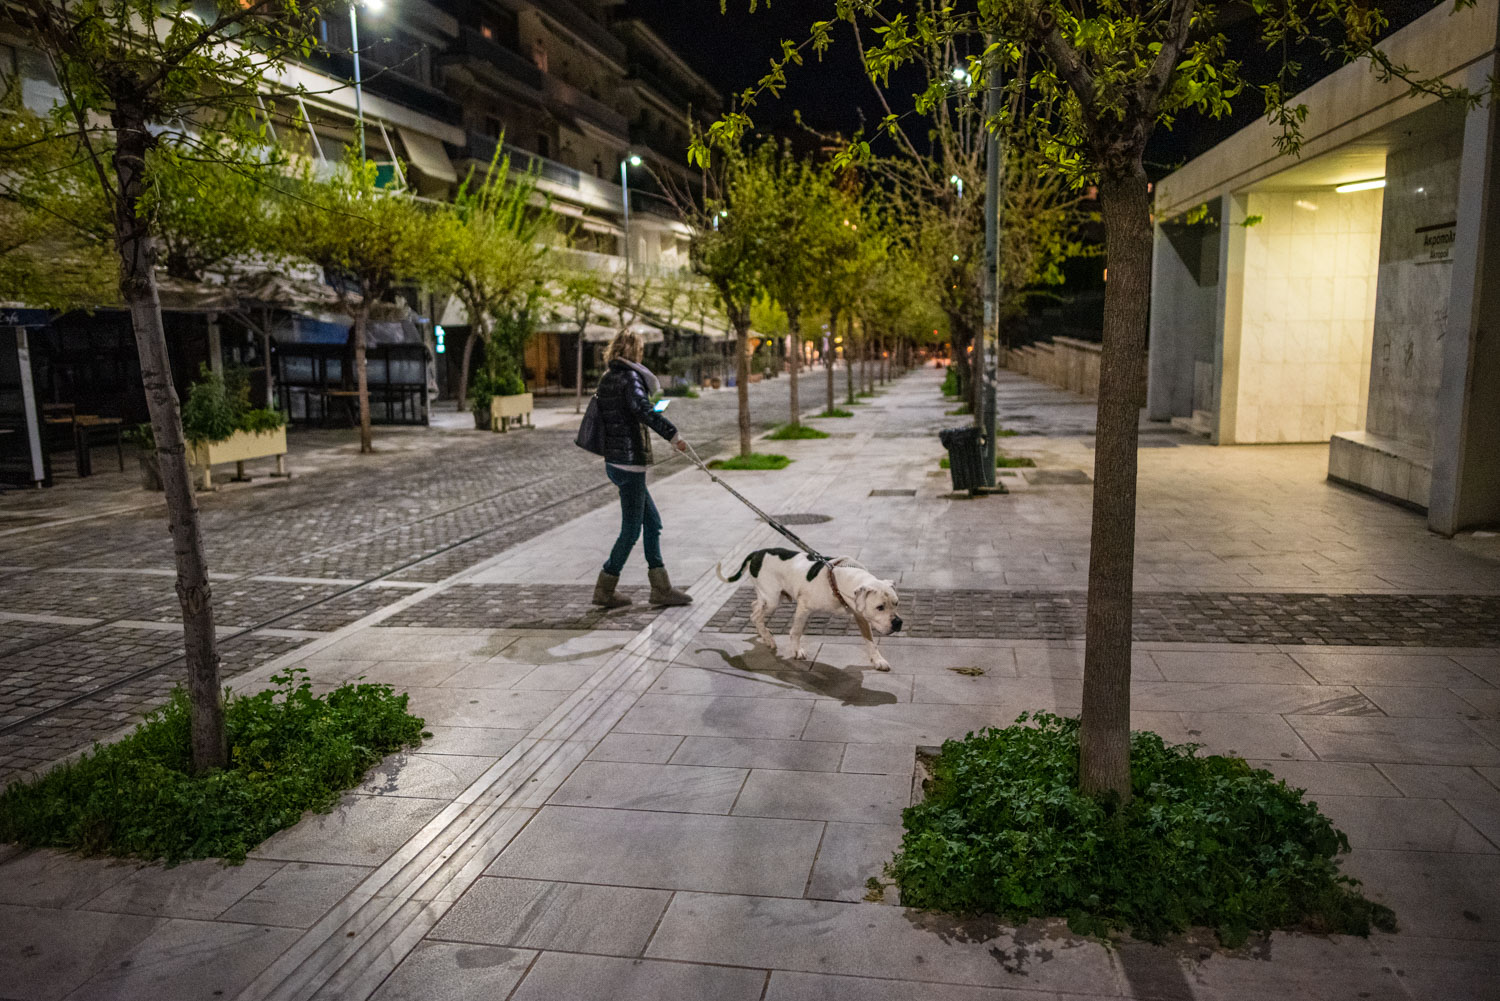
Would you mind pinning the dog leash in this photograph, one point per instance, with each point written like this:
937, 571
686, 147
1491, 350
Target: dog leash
813, 554
692, 454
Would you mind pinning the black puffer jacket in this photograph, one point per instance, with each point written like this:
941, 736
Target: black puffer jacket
625, 408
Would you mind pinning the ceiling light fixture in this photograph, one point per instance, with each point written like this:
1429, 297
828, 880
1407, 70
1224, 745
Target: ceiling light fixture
1353, 186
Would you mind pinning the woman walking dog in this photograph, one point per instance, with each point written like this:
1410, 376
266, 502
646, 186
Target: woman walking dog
625, 413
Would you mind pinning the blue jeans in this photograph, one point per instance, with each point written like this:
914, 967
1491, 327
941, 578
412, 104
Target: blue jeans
637, 512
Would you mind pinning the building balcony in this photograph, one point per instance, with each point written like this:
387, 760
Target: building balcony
391, 85
566, 16
491, 59
571, 102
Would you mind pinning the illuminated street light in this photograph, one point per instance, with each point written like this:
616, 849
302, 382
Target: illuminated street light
630, 161
1352, 186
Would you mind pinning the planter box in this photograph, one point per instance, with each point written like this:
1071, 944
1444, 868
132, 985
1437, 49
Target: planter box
237, 448
508, 410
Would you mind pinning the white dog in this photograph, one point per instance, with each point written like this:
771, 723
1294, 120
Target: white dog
819, 587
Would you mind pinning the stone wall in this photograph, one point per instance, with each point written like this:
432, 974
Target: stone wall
1416, 273
1064, 362
1306, 316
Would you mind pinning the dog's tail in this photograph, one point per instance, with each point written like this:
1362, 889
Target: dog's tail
737, 574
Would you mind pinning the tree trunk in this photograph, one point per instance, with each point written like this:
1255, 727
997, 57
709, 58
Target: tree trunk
210, 748
794, 351
1104, 736
742, 376
828, 356
361, 332
463, 367
959, 343
849, 352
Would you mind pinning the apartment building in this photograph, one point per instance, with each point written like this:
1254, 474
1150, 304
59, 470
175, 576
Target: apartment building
574, 89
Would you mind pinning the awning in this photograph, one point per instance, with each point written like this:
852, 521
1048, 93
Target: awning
428, 155
598, 333
292, 294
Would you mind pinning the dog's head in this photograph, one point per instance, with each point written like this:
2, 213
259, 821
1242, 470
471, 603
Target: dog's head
876, 601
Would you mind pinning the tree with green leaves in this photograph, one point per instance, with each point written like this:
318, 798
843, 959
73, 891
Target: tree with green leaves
727, 247
215, 203
130, 75
494, 252
1086, 87
370, 240
801, 204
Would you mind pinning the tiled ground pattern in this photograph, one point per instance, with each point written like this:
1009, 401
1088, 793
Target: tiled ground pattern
524, 606
1434, 620
432, 511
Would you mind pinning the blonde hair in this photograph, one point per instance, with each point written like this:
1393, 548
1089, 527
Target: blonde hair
627, 344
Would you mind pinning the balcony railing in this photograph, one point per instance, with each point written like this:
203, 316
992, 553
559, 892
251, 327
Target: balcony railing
391, 85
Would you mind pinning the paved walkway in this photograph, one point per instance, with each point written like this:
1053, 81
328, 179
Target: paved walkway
646, 806
89, 634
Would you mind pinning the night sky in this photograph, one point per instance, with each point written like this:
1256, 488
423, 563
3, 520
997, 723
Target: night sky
732, 50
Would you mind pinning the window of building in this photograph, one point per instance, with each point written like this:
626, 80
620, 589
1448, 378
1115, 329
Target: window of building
487, 30
539, 54
493, 126
543, 144
598, 167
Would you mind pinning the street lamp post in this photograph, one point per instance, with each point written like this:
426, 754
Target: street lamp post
630, 161
359, 90
990, 341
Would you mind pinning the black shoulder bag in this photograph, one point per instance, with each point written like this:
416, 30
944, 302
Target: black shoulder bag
591, 429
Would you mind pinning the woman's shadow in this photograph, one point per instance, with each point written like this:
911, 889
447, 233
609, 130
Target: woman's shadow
847, 684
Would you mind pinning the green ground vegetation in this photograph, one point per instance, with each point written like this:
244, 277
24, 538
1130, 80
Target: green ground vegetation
1001, 462
835, 412
289, 751
950, 382
789, 432
1204, 841
681, 392
753, 461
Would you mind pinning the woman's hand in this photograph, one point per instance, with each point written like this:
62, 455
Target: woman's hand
679, 444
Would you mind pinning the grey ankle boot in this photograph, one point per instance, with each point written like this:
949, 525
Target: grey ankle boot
662, 591
604, 591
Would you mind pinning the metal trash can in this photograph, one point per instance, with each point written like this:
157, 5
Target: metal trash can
965, 458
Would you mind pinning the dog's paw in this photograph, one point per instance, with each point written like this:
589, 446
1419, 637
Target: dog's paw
880, 663
801, 654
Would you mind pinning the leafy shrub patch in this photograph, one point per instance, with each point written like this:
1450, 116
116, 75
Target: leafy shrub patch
681, 392
950, 382
290, 751
755, 460
788, 432
1204, 841
835, 412
1001, 462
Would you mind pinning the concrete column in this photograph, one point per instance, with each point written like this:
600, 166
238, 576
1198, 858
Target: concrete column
1231, 300
1466, 414
1162, 344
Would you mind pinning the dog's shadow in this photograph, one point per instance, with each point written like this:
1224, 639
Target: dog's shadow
847, 684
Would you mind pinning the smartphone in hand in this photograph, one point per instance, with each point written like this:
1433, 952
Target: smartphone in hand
661, 405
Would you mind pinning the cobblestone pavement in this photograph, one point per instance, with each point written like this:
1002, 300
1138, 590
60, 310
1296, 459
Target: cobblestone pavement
311, 554
1414, 620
